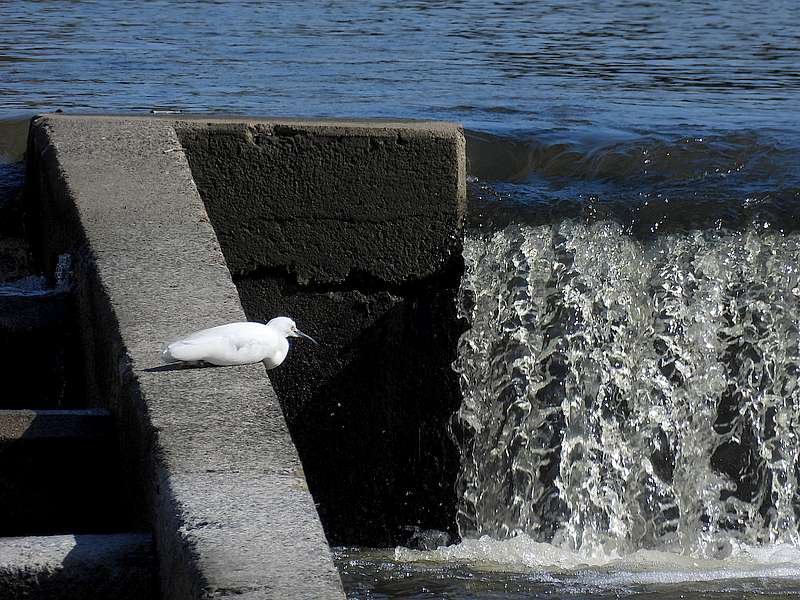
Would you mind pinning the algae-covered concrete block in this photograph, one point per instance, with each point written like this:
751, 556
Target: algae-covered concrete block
324, 201
354, 229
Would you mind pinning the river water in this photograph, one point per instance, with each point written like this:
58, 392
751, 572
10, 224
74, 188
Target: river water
631, 422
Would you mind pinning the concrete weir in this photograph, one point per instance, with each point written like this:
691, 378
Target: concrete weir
353, 229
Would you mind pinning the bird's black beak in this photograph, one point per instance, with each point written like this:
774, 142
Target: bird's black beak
308, 337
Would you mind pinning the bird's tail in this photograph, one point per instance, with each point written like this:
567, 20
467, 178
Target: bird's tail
166, 356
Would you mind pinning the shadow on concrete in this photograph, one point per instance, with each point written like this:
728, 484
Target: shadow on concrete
37, 341
369, 409
113, 567
180, 367
101, 567
60, 478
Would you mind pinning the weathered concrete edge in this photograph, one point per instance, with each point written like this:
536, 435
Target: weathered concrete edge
120, 197
351, 126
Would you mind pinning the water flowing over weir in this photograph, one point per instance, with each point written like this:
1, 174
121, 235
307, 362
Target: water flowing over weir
626, 394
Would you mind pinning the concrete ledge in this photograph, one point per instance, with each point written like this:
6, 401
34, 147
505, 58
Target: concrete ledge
67, 567
225, 493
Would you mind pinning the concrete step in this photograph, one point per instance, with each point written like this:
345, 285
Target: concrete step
71, 567
59, 473
37, 357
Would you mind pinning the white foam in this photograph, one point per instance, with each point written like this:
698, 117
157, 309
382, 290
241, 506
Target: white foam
524, 555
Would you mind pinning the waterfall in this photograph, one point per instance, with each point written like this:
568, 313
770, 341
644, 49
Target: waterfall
624, 393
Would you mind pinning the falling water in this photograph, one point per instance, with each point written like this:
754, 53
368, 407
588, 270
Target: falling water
624, 394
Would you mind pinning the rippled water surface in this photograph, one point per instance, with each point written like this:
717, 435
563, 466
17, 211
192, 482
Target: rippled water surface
637, 104
521, 569
633, 67
631, 424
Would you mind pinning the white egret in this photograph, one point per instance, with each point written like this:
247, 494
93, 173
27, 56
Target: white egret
236, 344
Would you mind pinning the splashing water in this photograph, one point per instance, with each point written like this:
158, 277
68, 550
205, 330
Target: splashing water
625, 395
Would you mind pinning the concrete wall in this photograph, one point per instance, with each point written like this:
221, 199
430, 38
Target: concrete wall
220, 483
353, 229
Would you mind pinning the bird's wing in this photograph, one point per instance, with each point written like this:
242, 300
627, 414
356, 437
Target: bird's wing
244, 329
231, 344
246, 353
185, 350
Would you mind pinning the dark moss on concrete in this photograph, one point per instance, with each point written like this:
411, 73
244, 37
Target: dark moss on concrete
369, 408
354, 230
325, 201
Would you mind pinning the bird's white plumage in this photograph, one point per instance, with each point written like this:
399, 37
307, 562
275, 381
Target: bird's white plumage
236, 344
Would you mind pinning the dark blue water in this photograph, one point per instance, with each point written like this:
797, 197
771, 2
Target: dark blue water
601, 69
627, 103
